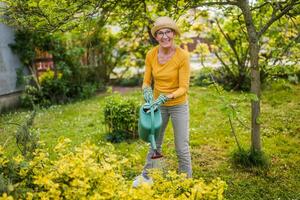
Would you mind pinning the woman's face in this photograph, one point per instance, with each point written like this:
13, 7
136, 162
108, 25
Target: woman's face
165, 37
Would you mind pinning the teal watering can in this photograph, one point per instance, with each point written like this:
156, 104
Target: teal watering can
150, 122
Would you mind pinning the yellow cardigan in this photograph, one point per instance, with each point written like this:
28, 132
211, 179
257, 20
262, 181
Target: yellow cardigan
171, 77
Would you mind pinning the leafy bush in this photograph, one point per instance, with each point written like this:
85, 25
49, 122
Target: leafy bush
242, 82
121, 117
130, 82
229, 81
203, 77
278, 85
70, 80
53, 90
289, 73
92, 172
233, 81
87, 90
56, 90
32, 96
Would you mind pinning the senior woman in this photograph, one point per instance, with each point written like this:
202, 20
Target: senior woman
168, 67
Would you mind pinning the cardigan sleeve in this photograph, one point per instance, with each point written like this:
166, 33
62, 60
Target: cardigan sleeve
148, 72
184, 77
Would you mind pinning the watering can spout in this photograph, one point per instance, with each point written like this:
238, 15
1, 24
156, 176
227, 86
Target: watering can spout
152, 141
156, 154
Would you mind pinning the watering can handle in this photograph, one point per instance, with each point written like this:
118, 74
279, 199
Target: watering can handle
151, 136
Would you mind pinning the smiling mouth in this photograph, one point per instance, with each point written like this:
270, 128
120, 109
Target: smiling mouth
166, 40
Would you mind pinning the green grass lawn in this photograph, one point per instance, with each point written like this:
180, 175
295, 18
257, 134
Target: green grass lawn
211, 141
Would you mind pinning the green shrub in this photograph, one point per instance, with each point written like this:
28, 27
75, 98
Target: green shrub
121, 117
250, 158
52, 91
237, 81
87, 90
229, 81
130, 82
31, 96
278, 85
289, 73
57, 90
203, 77
71, 80
54, 88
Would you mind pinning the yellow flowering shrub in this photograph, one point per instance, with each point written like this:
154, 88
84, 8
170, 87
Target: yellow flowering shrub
49, 74
95, 172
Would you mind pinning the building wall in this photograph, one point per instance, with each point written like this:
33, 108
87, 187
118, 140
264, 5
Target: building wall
9, 101
8, 65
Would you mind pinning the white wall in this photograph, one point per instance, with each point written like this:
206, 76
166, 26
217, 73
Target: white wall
8, 62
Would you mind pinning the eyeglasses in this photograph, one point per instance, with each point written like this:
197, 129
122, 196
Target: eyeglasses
161, 34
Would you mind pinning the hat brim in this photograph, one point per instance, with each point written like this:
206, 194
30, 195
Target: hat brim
156, 28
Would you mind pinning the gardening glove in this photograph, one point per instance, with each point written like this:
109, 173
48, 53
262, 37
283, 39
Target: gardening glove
160, 100
148, 96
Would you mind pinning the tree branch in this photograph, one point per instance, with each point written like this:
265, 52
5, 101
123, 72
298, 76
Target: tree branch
275, 17
216, 3
230, 42
260, 6
223, 63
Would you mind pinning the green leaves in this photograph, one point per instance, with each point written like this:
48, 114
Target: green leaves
121, 117
54, 15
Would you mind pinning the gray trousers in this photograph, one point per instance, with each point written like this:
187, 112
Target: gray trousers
180, 121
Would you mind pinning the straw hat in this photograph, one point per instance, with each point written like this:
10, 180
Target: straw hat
164, 22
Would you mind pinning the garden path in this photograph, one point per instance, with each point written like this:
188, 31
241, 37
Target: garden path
124, 90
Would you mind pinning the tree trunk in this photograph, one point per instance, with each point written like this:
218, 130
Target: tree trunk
255, 74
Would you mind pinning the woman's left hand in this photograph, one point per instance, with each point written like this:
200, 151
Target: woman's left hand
170, 96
